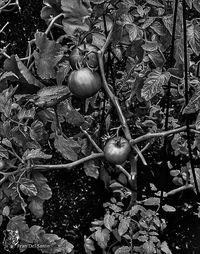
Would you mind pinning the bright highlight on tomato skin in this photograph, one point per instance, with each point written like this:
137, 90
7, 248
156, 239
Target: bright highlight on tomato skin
2, 164
117, 150
84, 83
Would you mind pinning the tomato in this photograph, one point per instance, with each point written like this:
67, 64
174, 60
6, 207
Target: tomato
117, 150
2, 164
84, 83
84, 55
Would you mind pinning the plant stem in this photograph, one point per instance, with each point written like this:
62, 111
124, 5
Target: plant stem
182, 188
123, 170
68, 165
108, 41
91, 140
7, 174
5, 5
115, 102
159, 134
4, 27
53, 21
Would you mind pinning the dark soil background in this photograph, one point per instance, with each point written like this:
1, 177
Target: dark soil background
77, 199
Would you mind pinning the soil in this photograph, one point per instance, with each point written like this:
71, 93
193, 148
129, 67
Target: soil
77, 199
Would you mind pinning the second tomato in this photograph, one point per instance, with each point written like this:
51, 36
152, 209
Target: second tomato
117, 150
84, 83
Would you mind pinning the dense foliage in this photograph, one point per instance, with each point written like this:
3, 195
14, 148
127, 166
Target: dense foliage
124, 75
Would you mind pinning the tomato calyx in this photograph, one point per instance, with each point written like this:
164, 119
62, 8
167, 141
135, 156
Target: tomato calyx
119, 142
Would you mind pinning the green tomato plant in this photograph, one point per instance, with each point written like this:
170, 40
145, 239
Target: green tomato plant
135, 230
137, 75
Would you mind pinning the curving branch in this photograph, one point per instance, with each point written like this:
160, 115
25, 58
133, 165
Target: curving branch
123, 170
160, 134
7, 174
5, 5
53, 21
68, 165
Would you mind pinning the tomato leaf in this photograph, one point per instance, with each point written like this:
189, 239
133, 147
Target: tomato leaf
26, 113
123, 250
45, 59
135, 33
150, 45
98, 40
35, 154
168, 208
175, 172
157, 58
109, 221
27, 75
36, 207
6, 211
152, 201
50, 96
123, 225
51, 9
164, 248
37, 131
102, 237
193, 32
62, 72
155, 3
149, 247
76, 13
168, 22
71, 115
88, 245
43, 190
67, 147
194, 103
28, 187
148, 21
159, 28
3, 152
91, 169
18, 225
136, 51
154, 83
196, 5
8, 75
